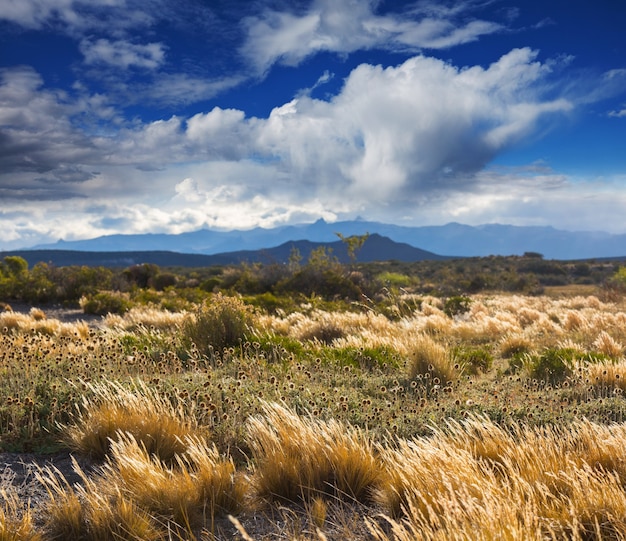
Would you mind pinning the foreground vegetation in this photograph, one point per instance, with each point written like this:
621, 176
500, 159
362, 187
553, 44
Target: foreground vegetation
396, 415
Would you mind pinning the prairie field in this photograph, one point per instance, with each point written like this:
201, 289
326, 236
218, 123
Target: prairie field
487, 416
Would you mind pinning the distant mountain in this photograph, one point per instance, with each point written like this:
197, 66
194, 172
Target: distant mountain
375, 248
452, 239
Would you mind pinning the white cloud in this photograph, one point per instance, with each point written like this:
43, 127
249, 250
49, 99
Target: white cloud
122, 53
79, 16
403, 131
350, 25
180, 89
187, 190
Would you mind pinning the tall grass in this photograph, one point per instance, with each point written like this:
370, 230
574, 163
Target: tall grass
16, 519
110, 409
475, 480
135, 496
430, 358
322, 420
302, 458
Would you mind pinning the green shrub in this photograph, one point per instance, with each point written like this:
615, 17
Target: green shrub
554, 365
219, 323
105, 302
395, 279
367, 358
271, 303
473, 360
457, 305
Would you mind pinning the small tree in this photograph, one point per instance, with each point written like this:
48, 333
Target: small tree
14, 266
353, 244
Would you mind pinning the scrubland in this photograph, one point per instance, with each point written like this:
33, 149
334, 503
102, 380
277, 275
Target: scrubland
490, 416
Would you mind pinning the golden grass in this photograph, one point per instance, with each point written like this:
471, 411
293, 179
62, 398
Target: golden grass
16, 522
88, 512
494, 455
303, 458
109, 409
609, 377
135, 496
432, 360
474, 480
146, 317
201, 484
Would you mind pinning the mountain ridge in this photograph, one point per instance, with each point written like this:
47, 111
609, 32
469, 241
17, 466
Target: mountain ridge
375, 248
453, 239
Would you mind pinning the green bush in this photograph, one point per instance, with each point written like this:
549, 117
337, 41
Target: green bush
457, 305
554, 365
219, 323
105, 302
473, 360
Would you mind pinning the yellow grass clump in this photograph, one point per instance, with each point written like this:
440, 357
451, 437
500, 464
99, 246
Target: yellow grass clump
432, 359
16, 522
302, 458
145, 317
109, 409
475, 480
135, 496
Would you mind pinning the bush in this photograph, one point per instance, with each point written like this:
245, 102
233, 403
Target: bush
474, 360
554, 365
105, 302
455, 306
218, 323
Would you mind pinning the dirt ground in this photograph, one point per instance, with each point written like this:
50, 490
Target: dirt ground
56, 311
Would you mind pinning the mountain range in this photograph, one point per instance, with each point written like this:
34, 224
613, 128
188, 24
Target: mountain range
452, 239
375, 248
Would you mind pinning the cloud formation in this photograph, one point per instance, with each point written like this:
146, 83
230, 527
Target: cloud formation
343, 27
122, 53
126, 139
76, 17
397, 137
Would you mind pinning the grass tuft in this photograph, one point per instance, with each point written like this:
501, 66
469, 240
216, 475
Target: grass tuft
428, 357
302, 458
16, 522
111, 409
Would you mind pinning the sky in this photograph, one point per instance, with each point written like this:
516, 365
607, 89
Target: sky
154, 116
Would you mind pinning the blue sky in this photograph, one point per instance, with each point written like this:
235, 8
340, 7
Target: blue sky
138, 116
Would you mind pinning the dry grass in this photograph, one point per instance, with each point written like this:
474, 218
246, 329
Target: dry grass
135, 496
303, 458
109, 409
432, 360
88, 512
476, 481
16, 522
146, 317
390, 432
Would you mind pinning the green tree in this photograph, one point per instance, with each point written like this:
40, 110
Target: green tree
353, 244
14, 266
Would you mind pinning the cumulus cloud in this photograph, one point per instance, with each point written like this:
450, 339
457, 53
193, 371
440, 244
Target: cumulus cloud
405, 130
344, 27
